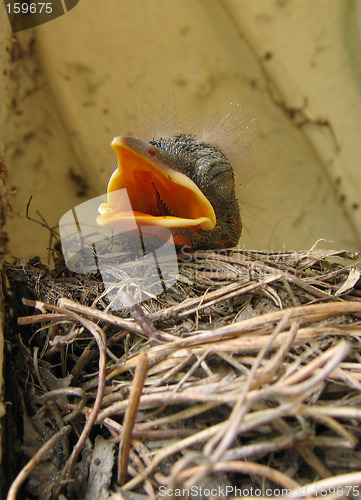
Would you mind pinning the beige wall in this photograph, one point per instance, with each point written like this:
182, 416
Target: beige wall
149, 67
4, 72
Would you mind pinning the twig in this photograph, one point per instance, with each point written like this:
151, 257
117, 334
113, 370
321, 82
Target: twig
240, 467
130, 414
39, 456
100, 338
139, 324
231, 426
189, 306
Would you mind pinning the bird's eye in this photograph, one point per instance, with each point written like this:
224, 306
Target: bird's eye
222, 179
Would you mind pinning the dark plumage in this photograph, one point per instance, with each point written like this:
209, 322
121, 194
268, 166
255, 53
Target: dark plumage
211, 171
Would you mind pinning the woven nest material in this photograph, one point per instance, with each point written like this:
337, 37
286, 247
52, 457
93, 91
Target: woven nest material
241, 379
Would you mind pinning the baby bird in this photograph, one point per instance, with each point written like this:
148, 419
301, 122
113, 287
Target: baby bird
181, 183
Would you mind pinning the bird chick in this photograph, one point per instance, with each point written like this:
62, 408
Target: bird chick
181, 184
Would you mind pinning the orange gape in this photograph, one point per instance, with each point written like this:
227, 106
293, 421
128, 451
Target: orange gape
181, 184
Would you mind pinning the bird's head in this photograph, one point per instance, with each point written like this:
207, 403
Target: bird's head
181, 184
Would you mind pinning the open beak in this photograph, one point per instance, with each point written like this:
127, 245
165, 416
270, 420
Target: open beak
158, 194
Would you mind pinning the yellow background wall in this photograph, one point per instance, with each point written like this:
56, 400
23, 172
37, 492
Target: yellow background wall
286, 73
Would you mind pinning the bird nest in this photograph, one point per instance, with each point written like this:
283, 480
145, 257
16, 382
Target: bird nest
242, 379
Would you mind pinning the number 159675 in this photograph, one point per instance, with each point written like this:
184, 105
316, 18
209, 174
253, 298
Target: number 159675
30, 8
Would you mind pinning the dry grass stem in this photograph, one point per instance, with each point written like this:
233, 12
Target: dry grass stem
243, 374
130, 414
34, 461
